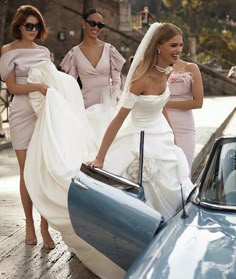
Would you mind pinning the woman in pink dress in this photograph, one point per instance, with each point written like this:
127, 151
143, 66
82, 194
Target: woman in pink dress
15, 63
185, 84
96, 63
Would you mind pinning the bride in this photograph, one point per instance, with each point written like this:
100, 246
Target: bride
64, 138
142, 108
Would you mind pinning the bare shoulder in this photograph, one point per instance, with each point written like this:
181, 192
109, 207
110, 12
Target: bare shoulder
7, 48
137, 87
191, 67
41, 47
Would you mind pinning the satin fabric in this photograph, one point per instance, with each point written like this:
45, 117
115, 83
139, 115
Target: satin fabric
95, 80
165, 165
60, 143
21, 117
66, 135
182, 121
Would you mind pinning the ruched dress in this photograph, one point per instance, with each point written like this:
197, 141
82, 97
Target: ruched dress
182, 121
165, 165
99, 80
21, 117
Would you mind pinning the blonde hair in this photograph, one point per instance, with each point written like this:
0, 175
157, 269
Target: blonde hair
164, 33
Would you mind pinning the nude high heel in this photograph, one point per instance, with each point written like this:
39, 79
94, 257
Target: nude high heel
48, 242
30, 236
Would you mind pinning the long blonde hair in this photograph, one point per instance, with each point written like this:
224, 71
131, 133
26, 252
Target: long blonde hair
163, 33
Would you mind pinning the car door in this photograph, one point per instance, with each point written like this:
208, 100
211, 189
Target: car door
112, 220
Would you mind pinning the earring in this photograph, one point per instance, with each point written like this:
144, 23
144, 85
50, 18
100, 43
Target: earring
158, 51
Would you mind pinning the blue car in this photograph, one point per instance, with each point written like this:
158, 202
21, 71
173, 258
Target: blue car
198, 242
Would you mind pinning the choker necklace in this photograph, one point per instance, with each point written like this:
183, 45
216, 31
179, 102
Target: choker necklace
166, 70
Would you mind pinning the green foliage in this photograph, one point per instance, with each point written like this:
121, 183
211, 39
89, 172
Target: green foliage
221, 45
207, 20
215, 41
169, 3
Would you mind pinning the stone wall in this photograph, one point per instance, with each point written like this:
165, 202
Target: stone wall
216, 84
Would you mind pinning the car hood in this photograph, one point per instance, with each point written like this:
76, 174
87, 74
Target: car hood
203, 245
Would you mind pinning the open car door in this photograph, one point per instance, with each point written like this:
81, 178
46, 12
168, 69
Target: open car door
105, 212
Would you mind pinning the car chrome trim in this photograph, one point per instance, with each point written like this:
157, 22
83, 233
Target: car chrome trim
196, 200
79, 183
117, 178
218, 207
195, 197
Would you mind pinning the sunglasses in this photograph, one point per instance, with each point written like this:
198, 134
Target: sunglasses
93, 23
31, 26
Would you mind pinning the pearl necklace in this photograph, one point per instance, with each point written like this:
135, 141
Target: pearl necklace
166, 70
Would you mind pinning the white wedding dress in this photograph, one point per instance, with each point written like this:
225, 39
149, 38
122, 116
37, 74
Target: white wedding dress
60, 143
67, 135
165, 165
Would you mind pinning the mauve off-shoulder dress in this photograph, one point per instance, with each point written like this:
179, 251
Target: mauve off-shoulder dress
22, 118
95, 80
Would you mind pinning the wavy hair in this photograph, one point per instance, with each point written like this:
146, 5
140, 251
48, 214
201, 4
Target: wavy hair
22, 13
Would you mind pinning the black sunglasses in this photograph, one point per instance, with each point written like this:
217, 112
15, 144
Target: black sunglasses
93, 23
31, 26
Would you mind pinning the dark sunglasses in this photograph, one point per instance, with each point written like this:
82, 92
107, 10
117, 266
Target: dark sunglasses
31, 26
93, 23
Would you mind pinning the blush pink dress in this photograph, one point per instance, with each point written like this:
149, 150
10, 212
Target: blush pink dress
182, 121
95, 80
22, 118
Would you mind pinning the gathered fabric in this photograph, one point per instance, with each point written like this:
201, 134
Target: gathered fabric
61, 141
96, 80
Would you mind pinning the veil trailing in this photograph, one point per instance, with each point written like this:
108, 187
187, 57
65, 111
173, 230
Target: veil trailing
138, 57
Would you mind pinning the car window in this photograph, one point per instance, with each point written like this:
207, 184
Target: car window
219, 186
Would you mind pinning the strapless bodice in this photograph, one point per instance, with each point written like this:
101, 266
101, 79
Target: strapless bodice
180, 84
148, 109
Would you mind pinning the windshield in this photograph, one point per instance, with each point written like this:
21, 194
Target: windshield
219, 185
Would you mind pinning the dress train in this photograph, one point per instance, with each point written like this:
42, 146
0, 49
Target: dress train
58, 147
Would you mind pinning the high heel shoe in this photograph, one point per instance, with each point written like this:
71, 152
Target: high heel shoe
30, 237
31, 241
48, 242
49, 246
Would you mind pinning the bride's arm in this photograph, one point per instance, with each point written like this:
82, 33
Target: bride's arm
116, 123
109, 137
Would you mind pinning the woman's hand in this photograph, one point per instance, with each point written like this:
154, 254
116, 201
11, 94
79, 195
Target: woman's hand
97, 163
42, 88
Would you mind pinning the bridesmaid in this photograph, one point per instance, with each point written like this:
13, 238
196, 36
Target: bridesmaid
96, 63
185, 84
16, 60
